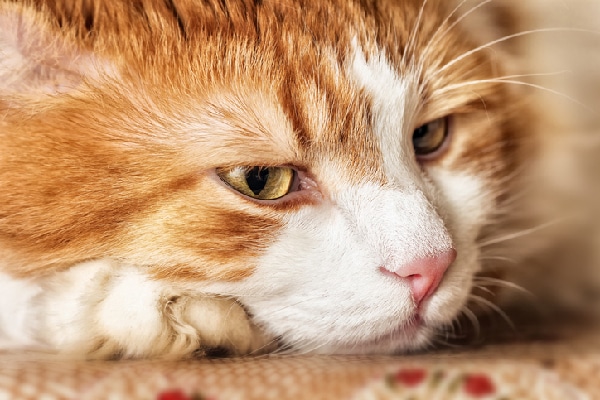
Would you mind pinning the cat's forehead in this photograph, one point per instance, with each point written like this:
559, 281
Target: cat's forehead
328, 67
313, 84
351, 90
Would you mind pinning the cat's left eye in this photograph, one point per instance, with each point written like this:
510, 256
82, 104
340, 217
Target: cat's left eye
428, 139
260, 183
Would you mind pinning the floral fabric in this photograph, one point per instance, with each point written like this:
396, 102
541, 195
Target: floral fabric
25, 376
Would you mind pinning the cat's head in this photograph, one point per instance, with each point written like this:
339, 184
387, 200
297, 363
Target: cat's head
328, 164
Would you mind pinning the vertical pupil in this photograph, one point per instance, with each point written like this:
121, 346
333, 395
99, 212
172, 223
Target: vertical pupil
257, 179
419, 133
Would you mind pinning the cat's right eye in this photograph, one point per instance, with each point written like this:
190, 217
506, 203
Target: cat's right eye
429, 139
260, 183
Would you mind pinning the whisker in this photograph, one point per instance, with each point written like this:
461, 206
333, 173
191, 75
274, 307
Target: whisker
483, 288
514, 82
532, 299
438, 341
444, 337
284, 308
456, 324
489, 281
284, 350
232, 296
265, 346
524, 232
432, 43
508, 202
285, 347
309, 347
539, 74
509, 37
412, 38
499, 258
482, 301
473, 318
507, 205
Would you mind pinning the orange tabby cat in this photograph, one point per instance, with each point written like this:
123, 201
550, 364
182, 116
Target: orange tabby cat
178, 176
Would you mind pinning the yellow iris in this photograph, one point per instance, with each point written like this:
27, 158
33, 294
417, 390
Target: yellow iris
261, 183
430, 137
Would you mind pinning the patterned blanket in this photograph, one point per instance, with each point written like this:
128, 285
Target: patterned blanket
547, 368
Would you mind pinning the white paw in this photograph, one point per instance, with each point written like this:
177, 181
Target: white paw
103, 310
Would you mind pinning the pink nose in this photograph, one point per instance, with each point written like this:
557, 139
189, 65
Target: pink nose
424, 274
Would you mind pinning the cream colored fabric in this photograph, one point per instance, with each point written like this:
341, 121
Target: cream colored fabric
553, 368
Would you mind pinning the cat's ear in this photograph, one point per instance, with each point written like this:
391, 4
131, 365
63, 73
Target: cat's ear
37, 57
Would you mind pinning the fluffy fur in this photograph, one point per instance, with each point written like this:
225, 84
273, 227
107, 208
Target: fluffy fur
117, 239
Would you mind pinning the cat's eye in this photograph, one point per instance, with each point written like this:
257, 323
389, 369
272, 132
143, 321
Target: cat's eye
260, 183
428, 139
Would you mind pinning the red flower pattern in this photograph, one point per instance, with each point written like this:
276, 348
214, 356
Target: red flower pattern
172, 395
478, 385
410, 377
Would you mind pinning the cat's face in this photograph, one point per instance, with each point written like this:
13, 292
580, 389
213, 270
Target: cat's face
379, 152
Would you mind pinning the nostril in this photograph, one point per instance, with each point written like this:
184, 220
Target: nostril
420, 286
423, 275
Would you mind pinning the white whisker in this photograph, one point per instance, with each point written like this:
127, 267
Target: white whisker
309, 348
484, 302
509, 37
431, 43
292, 305
411, 43
265, 346
522, 233
539, 74
485, 289
514, 82
499, 258
489, 281
473, 318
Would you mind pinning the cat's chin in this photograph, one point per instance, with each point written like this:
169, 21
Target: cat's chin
406, 338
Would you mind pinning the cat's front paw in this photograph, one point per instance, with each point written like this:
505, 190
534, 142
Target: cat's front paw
221, 325
99, 310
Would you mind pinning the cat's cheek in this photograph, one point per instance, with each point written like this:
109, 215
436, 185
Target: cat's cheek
467, 201
204, 233
321, 283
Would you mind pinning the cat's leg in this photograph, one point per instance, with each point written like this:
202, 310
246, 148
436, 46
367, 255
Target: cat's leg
102, 310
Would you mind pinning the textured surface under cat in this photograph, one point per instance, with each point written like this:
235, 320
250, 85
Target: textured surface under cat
562, 368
